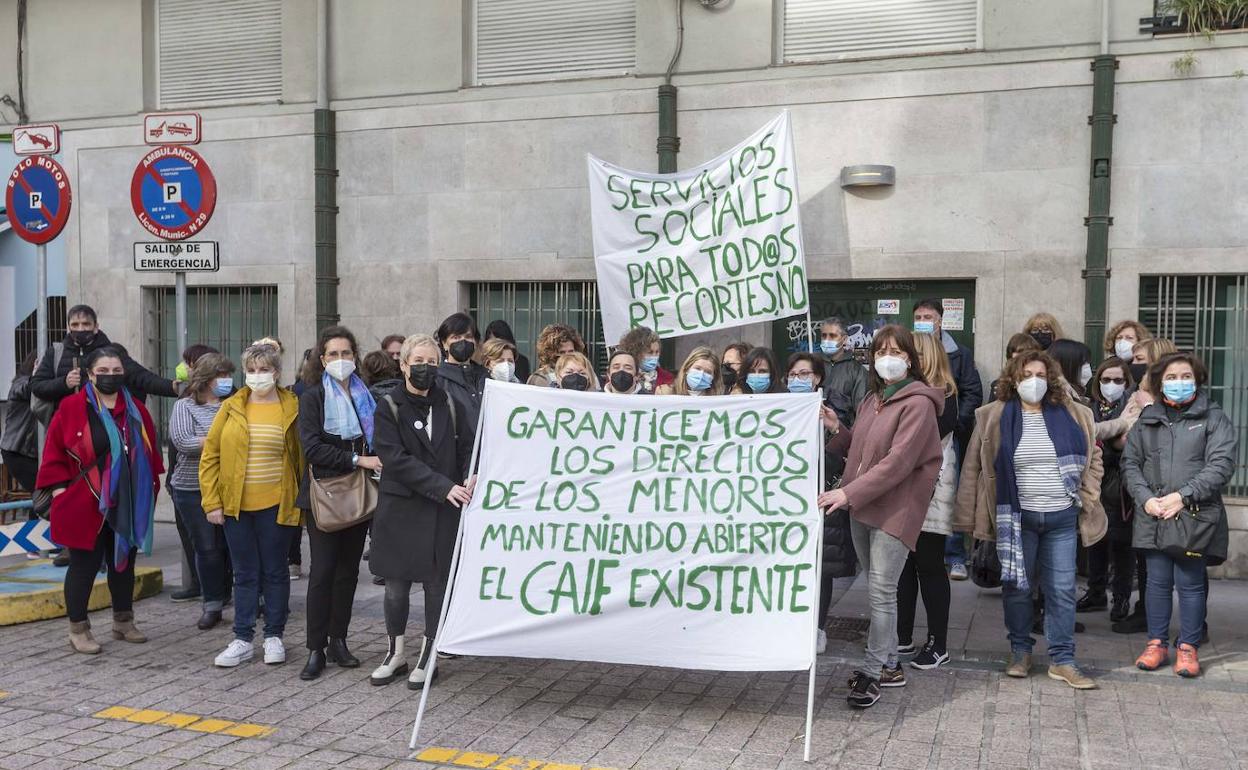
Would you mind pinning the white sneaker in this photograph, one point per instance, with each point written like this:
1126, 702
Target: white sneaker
238, 652
274, 650
821, 641
957, 571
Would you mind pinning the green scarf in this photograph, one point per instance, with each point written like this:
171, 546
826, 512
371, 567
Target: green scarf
891, 390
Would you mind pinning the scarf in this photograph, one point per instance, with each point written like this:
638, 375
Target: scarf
348, 418
127, 483
892, 390
1072, 457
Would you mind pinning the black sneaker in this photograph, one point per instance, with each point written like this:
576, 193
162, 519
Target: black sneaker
864, 691
1120, 609
930, 656
1091, 602
185, 594
906, 648
892, 677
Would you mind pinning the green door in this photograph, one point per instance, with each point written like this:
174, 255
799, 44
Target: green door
867, 305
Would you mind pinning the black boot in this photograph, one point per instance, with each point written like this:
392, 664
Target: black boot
1120, 609
1091, 602
314, 666
337, 652
1135, 623
208, 620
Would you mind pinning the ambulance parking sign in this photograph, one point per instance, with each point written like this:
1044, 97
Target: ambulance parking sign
173, 192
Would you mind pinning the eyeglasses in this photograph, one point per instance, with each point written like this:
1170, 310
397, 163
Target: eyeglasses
1114, 380
803, 375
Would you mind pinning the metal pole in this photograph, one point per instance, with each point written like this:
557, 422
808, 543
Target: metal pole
179, 295
41, 317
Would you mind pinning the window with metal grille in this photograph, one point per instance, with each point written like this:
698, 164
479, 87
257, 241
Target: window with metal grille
228, 318
27, 332
218, 51
833, 29
1208, 315
528, 306
520, 40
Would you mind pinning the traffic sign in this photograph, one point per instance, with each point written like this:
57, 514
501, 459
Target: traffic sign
183, 256
37, 139
173, 192
26, 537
172, 128
37, 198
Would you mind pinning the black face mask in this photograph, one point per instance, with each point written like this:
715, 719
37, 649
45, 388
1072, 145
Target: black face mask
421, 376
622, 381
462, 350
574, 381
1043, 339
82, 338
729, 376
1138, 371
108, 384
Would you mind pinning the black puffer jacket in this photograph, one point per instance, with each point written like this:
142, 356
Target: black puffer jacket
839, 559
1118, 508
1192, 451
466, 384
844, 385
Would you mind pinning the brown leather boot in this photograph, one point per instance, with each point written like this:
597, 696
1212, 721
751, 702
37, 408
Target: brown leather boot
123, 628
81, 640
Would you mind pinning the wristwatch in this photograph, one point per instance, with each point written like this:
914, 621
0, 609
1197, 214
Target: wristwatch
355, 460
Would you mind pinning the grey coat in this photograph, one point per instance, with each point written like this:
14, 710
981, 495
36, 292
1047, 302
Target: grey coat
843, 375
1191, 451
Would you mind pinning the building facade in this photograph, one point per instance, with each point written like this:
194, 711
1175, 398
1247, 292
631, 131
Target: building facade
461, 129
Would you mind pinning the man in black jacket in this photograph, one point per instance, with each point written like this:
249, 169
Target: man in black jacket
54, 380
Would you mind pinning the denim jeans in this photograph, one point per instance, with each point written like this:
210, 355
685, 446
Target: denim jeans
882, 557
1049, 541
208, 542
258, 547
1165, 576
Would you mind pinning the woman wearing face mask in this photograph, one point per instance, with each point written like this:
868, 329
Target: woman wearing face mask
249, 475
459, 373
211, 380
102, 464
643, 343
425, 439
1122, 337
499, 358
1032, 484
890, 474
499, 329
762, 374
1177, 461
1074, 361
574, 372
1109, 402
733, 360
804, 373
622, 374
554, 341
698, 375
1043, 328
336, 421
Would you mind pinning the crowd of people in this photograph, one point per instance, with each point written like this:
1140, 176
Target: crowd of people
1119, 463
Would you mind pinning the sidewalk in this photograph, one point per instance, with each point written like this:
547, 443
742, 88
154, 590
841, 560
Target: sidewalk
171, 708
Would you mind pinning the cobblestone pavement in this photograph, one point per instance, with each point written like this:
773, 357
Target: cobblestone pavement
500, 713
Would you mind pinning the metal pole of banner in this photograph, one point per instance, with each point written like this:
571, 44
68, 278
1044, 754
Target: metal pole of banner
450, 580
41, 318
810, 332
814, 664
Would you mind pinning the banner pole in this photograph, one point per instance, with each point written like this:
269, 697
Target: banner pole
450, 581
814, 664
810, 330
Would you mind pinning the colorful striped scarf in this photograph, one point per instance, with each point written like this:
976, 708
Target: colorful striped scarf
127, 482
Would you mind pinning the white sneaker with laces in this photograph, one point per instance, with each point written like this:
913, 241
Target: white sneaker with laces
238, 652
274, 650
957, 571
821, 641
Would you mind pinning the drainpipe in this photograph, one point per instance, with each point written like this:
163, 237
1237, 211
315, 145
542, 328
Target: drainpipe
669, 140
1096, 270
325, 170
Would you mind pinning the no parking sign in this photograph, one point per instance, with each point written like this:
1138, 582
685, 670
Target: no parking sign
173, 192
37, 199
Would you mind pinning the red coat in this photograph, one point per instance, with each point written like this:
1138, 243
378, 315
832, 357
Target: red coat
75, 514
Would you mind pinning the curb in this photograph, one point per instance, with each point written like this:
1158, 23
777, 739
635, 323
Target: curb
35, 591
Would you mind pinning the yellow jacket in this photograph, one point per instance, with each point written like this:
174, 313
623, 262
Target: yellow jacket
223, 464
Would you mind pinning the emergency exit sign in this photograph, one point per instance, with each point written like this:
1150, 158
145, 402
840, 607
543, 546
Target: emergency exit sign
177, 257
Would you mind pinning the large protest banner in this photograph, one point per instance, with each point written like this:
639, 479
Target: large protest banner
713, 247
655, 530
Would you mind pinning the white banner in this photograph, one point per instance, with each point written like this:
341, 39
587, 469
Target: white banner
651, 530
713, 247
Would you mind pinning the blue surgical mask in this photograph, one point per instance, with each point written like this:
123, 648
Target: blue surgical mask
649, 363
1179, 391
699, 380
758, 383
925, 327
830, 347
798, 385
223, 386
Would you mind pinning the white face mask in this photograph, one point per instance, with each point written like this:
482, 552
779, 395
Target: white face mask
1124, 349
340, 370
1085, 375
891, 368
1032, 389
261, 382
503, 370
1112, 391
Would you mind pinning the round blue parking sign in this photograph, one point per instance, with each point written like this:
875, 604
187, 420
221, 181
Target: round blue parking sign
37, 199
173, 192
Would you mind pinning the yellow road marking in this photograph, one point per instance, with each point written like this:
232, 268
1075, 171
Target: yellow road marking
185, 722
461, 758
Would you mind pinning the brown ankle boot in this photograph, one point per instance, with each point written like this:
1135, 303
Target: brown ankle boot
123, 628
80, 638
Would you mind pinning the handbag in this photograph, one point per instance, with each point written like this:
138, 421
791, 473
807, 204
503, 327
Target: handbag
342, 501
985, 565
1188, 534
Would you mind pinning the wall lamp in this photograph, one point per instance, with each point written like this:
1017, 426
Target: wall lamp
868, 176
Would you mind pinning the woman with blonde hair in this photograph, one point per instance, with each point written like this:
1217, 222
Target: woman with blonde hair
554, 341
699, 375
1044, 328
498, 356
925, 566
574, 372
